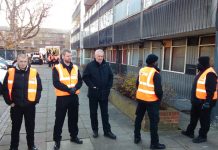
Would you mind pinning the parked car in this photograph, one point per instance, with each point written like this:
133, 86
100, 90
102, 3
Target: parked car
9, 63
36, 60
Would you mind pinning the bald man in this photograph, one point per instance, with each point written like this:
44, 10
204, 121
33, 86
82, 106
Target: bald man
98, 77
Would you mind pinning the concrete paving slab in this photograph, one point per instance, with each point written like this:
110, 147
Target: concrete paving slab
67, 145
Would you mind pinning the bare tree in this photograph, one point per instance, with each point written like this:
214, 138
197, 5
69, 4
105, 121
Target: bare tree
24, 18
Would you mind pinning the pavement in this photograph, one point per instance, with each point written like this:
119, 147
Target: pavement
121, 125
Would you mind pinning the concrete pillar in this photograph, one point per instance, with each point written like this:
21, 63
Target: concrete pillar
214, 115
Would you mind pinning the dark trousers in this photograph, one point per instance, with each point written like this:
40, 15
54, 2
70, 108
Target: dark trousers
69, 105
93, 106
204, 116
49, 63
153, 113
17, 114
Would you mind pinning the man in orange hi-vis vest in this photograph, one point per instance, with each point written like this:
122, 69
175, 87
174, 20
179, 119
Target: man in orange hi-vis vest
22, 91
149, 94
203, 99
67, 82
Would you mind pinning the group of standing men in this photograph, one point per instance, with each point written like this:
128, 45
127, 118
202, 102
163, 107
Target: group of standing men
22, 90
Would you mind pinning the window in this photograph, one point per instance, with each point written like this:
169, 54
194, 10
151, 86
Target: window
94, 27
103, 2
86, 31
207, 47
174, 55
109, 54
133, 55
134, 6
166, 64
148, 3
106, 19
124, 56
178, 59
88, 54
157, 49
207, 40
120, 11
114, 54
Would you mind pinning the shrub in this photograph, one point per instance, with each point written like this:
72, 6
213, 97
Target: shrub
168, 96
126, 85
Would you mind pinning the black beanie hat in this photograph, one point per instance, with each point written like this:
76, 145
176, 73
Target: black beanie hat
151, 59
204, 61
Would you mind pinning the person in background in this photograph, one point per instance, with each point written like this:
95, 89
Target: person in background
203, 99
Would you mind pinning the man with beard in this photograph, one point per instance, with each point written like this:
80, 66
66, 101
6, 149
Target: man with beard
149, 94
203, 99
67, 82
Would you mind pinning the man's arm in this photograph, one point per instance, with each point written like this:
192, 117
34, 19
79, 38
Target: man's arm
210, 85
137, 82
157, 86
39, 88
0, 88
86, 77
80, 82
5, 91
56, 82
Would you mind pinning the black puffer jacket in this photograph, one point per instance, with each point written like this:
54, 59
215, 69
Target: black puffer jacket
99, 76
20, 87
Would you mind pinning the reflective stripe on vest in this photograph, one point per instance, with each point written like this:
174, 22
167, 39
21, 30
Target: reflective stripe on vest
32, 83
201, 89
70, 80
145, 89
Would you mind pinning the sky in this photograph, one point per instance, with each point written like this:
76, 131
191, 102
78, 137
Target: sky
59, 15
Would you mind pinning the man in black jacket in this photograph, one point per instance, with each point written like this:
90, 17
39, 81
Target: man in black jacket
149, 94
67, 82
22, 91
99, 79
203, 99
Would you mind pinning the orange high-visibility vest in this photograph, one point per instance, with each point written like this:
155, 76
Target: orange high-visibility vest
67, 79
145, 89
32, 83
201, 89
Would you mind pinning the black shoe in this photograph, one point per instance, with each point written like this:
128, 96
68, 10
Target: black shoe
76, 140
57, 145
13, 149
199, 140
187, 134
110, 135
137, 140
157, 146
95, 134
33, 148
